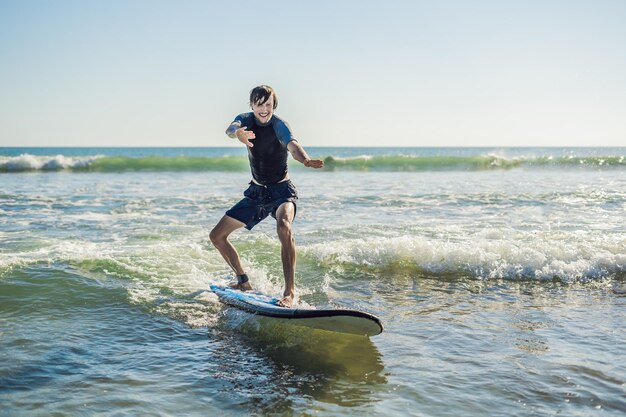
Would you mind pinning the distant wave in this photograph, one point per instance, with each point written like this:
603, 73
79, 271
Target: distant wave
100, 163
470, 163
393, 163
27, 162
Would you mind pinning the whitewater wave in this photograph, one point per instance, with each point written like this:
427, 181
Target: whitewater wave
100, 163
27, 162
517, 257
394, 163
492, 254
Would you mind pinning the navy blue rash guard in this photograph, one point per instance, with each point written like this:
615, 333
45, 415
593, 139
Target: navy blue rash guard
268, 156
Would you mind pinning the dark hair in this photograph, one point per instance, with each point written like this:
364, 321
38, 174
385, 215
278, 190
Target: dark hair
262, 93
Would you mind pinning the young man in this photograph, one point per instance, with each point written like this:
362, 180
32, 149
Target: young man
268, 139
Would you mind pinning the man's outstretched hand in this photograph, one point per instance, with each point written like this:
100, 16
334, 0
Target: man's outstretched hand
313, 163
245, 136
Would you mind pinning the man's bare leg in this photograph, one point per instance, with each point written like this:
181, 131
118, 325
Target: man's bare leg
219, 238
284, 218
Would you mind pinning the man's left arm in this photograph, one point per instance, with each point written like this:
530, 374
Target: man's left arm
299, 154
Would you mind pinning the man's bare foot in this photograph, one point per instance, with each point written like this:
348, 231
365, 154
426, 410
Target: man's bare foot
245, 286
286, 301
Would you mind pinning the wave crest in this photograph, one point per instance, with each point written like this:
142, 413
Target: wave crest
393, 163
27, 162
545, 258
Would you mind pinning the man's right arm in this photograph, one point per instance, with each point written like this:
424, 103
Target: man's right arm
236, 131
232, 129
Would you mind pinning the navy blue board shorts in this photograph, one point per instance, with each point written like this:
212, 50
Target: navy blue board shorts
261, 200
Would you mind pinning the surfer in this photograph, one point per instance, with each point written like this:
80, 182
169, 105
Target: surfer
268, 139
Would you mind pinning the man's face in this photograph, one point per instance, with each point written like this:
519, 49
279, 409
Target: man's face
263, 111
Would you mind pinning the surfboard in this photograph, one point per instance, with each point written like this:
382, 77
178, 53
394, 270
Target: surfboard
334, 320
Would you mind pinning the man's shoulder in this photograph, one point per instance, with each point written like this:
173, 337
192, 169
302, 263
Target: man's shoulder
282, 129
278, 120
245, 117
280, 123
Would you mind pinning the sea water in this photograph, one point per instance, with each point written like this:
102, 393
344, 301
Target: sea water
499, 275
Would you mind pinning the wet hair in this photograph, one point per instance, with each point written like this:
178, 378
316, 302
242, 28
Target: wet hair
262, 93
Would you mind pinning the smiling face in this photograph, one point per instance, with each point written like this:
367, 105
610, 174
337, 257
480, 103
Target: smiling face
263, 111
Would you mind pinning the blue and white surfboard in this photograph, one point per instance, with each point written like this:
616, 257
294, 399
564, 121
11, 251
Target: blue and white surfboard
335, 320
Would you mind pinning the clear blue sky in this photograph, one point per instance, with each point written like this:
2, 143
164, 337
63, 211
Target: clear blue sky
347, 73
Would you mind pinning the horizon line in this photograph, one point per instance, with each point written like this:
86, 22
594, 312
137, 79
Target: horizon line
311, 146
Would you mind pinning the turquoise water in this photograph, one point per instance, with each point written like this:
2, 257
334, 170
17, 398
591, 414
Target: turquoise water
499, 275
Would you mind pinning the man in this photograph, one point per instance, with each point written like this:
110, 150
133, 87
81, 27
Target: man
268, 139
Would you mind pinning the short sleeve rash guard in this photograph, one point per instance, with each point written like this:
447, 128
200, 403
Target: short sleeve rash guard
268, 156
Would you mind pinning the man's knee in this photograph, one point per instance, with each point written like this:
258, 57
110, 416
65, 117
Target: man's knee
216, 237
283, 227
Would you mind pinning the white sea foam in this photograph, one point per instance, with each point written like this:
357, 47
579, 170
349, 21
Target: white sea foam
28, 162
492, 253
353, 158
523, 256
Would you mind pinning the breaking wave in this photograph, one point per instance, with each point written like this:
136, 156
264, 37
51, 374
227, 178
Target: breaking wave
393, 163
490, 255
517, 257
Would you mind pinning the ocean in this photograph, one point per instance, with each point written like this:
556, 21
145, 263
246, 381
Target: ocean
499, 275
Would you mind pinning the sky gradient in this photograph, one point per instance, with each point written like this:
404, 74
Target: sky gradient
347, 73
